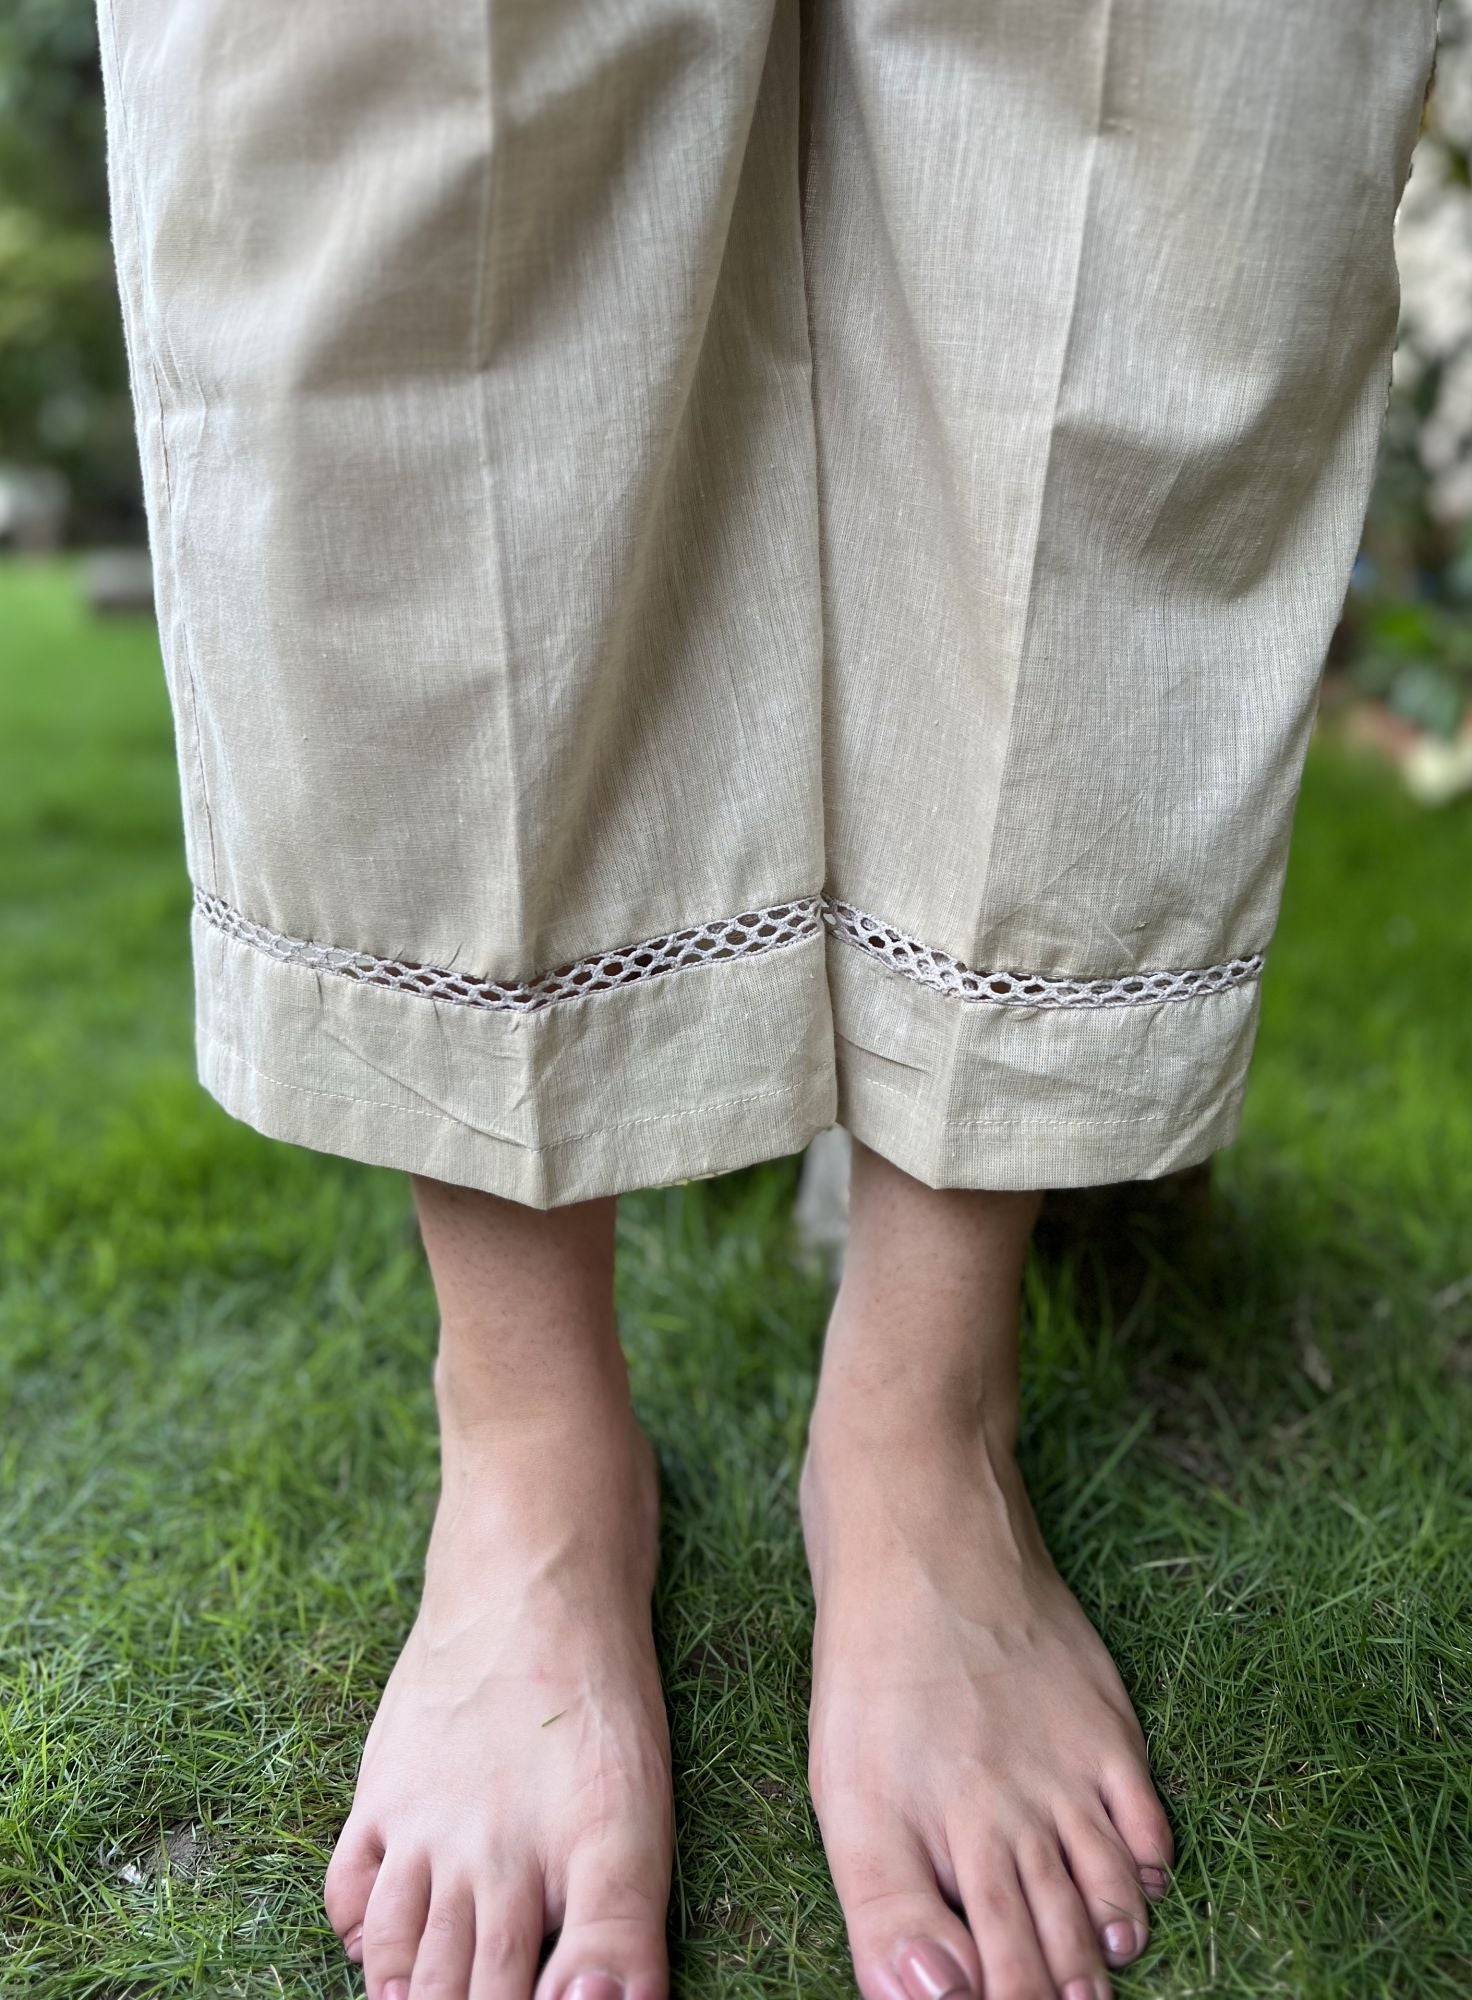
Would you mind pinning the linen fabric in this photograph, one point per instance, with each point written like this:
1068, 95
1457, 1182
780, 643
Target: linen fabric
726, 565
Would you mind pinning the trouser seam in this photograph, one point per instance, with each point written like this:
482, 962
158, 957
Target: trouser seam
788, 1090
1017, 1123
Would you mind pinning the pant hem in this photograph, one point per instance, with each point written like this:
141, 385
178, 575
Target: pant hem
1012, 1098
676, 1080
701, 1072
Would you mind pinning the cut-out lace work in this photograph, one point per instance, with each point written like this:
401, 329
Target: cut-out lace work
744, 936
1028, 989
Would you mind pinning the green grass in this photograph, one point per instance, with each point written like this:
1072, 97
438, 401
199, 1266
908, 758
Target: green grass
216, 1456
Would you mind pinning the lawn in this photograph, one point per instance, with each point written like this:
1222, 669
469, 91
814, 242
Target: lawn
216, 1458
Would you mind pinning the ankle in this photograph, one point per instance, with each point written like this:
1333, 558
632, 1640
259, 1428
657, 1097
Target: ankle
487, 1397
899, 1405
857, 1492
920, 1356
571, 1475
911, 1373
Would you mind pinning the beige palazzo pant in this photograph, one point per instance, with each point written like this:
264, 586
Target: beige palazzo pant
726, 565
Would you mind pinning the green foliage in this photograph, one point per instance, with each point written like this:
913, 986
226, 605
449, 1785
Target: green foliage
1406, 634
63, 370
217, 1461
1417, 656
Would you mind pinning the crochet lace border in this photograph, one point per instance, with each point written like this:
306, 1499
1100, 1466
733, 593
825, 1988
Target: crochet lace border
748, 935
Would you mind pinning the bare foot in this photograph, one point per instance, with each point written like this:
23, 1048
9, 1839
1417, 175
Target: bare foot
978, 1771
516, 1778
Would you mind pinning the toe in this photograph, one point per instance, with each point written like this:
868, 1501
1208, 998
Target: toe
907, 1942
509, 1928
1065, 1933
351, 1874
446, 1947
1012, 1963
612, 1942
392, 1927
1139, 1819
1109, 1883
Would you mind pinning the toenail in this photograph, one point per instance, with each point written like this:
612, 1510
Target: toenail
397, 1989
929, 1973
594, 1986
1081, 1989
353, 1939
1154, 1881
1121, 1941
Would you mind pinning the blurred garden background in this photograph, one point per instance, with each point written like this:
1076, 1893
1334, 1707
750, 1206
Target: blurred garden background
1247, 1424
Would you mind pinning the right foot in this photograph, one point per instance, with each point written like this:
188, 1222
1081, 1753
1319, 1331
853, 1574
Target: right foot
516, 1778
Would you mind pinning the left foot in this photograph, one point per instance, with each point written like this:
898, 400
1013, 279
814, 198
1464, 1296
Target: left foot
978, 1772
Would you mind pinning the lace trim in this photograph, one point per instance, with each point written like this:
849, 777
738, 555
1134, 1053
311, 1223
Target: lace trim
1028, 989
744, 936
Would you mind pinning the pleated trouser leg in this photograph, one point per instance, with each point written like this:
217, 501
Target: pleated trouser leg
726, 563
470, 358
1103, 301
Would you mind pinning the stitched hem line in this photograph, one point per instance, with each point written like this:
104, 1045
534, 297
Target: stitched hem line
792, 1093
748, 935
1021, 1125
